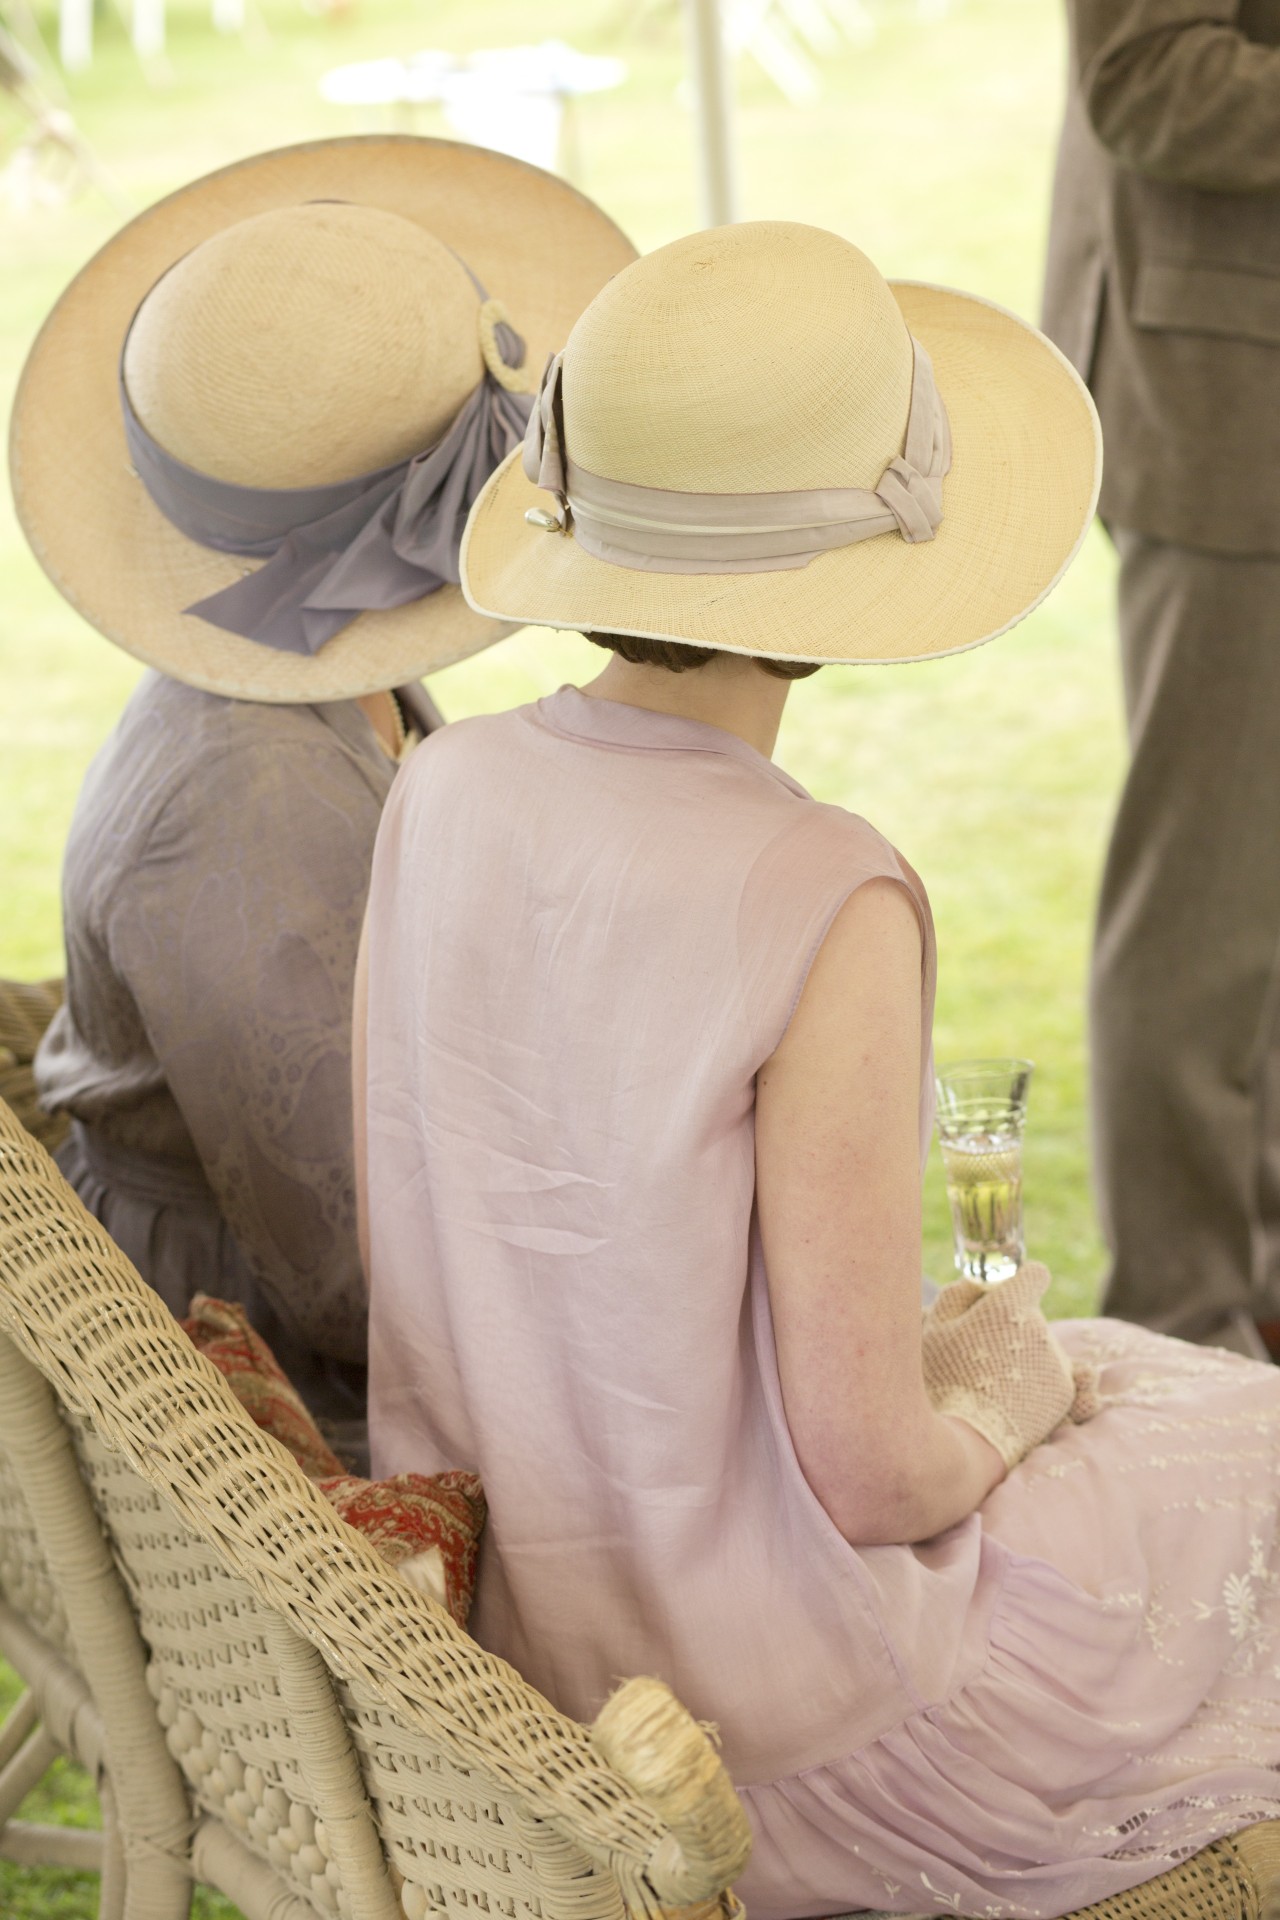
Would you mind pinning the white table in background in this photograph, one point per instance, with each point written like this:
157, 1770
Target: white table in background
513, 99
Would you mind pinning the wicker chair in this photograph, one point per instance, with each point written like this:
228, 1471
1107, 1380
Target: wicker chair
304, 1731
56, 1714
271, 1710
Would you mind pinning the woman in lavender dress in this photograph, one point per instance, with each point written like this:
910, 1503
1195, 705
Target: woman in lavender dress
185, 441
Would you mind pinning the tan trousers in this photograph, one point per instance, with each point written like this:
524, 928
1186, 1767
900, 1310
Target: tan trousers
1186, 974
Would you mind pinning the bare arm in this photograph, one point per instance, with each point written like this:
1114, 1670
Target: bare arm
1174, 90
838, 1188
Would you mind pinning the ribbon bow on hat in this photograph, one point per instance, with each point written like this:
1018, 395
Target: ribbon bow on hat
911, 485
379, 540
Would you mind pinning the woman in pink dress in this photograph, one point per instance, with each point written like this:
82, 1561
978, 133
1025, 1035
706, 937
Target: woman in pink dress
988, 1614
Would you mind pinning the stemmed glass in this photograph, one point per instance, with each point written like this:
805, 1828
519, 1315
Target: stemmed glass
982, 1110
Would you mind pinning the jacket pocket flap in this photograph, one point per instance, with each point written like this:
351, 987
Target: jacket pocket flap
1222, 300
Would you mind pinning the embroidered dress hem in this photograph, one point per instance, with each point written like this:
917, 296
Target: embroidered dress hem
1128, 1712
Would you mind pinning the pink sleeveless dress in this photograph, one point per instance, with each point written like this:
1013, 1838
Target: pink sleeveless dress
589, 926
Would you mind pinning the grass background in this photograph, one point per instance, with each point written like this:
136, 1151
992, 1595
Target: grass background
994, 772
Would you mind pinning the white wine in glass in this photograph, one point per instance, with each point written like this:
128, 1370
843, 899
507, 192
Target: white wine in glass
982, 1109
984, 1186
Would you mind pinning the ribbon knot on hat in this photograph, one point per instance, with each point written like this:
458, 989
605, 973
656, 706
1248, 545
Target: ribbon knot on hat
913, 497
332, 552
661, 530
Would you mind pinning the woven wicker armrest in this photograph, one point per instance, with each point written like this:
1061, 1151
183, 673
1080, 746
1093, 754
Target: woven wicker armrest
640, 1805
1237, 1878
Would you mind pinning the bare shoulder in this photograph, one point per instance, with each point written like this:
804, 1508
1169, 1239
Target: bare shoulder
879, 922
865, 976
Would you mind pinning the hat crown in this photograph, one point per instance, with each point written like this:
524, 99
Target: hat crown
305, 345
757, 358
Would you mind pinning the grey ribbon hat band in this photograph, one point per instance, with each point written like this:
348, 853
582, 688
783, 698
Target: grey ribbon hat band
376, 541
660, 530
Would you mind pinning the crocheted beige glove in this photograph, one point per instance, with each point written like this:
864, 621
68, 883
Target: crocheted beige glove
991, 1360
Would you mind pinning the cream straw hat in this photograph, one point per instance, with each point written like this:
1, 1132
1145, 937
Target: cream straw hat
299, 327
753, 442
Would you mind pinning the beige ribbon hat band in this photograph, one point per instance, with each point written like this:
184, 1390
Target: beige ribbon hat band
660, 530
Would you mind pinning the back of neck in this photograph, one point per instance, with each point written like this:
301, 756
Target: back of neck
730, 691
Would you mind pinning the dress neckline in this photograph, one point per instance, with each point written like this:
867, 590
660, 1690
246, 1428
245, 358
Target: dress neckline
615, 723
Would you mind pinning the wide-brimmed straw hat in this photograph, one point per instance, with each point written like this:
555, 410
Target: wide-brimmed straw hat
300, 368
753, 442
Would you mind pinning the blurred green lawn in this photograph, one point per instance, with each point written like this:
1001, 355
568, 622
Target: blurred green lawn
994, 772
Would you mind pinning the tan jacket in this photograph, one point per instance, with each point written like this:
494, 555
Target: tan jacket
1163, 280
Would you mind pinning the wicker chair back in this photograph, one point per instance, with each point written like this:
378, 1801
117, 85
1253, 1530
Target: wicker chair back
346, 1747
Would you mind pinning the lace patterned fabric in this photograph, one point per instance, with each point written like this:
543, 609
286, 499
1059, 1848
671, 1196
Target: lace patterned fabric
1127, 1710
213, 891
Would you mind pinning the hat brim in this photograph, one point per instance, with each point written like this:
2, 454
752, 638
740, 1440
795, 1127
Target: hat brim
1023, 486
536, 244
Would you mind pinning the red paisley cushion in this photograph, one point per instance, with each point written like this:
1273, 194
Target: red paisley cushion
426, 1525
222, 1333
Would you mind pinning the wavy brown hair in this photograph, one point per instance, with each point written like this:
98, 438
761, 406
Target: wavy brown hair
676, 657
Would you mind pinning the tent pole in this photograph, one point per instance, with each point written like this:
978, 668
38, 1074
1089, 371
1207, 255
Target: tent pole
718, 195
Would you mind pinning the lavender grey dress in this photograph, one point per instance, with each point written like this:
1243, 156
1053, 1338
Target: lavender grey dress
213, 890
